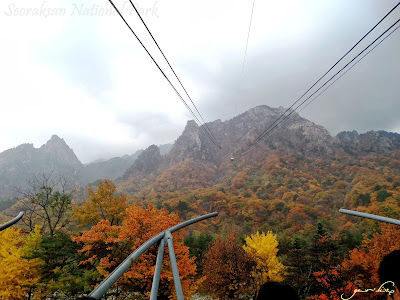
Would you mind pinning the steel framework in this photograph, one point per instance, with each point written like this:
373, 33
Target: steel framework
162, 238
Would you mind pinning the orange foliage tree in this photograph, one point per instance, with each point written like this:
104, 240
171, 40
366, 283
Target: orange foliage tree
106, 246
361, 268
227, 267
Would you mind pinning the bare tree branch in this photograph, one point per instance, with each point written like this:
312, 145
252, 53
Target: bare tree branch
47, 201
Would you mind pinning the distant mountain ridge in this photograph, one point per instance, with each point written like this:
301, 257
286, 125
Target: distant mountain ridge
19, 164
194, 150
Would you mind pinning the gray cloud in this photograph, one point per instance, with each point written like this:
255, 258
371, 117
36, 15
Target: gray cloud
205, 44
81, 58
152, 127
277, 74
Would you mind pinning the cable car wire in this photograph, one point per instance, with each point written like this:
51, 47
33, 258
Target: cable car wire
148, 30
334, 65
162, 72
275, 124
286, 119
346, 71
244, 58
243, 64
283, 114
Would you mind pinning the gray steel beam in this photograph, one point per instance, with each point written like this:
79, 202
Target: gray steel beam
174, 266
99, 291
369, 216
157, 271
12, 222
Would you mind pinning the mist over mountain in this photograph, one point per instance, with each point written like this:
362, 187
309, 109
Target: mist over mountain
110, 169
193, 151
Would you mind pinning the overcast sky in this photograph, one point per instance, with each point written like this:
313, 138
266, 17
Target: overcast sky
73, 68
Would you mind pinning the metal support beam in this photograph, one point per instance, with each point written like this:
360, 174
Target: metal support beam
174, 265
12, 222
99, 291
157, 271
369, 216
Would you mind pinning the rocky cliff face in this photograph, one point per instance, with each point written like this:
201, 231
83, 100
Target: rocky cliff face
57, 154
19, 164
373, 141
148, 161
188, 145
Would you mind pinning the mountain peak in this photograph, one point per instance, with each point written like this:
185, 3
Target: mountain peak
148, 161
55, 140
60, 152
21, 163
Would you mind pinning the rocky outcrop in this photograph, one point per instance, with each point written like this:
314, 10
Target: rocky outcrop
373, 141
188, 145
148, 161
58, 155
17, 165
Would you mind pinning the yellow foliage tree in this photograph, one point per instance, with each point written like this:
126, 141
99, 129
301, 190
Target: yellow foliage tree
262, 249
18, 275
102, 204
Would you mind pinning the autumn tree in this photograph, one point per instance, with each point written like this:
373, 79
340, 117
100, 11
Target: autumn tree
263, 249
226, 268
361, 268
18, 275
106, 245
47, 202
102, 204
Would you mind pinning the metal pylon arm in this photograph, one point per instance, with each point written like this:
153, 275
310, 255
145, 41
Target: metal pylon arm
99, 291
369, 216
12, 222
157, 271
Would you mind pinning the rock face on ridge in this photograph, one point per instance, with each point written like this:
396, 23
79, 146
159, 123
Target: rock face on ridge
57, 154
188, 145
20, 163
373, 141
147, 162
